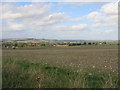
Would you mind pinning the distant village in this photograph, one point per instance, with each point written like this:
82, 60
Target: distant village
16, 43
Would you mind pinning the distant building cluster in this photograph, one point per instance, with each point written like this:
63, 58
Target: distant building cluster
17, 43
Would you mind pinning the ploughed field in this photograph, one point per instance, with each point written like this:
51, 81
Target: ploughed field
61, 67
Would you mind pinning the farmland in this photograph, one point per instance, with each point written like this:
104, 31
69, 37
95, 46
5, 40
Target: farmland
85, 66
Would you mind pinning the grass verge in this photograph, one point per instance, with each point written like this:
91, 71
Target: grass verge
30, 74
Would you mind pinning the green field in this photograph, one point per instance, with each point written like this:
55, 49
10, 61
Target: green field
61, 67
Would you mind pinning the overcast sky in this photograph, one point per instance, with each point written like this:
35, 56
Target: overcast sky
86, 21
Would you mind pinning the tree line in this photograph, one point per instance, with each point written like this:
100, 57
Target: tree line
16, 44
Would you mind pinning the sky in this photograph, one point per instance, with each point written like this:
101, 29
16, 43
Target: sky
60, 20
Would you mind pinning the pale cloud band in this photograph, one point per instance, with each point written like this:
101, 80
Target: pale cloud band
59, 0
33, 19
